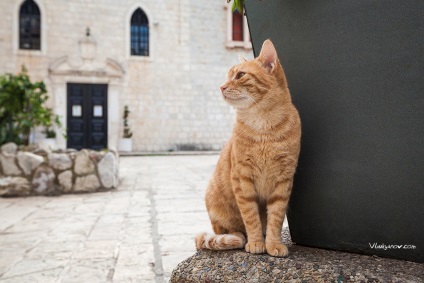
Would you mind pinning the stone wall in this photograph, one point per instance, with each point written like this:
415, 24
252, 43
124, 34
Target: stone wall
38, 171
173, 94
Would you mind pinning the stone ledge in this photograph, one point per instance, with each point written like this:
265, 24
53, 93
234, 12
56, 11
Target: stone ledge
302, 265
38, 171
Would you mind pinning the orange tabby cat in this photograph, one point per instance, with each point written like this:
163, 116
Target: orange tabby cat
250, 189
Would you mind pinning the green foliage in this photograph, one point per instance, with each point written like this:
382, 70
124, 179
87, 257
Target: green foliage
49, 130
22, 107
50, 133
237, 5
127, 130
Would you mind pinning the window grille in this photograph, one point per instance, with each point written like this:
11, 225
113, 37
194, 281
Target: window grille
139, 33
29, 26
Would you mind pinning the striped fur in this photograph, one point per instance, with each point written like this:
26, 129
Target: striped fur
249, 191
220, 242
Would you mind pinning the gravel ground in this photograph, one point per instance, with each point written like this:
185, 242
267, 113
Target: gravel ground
302, 265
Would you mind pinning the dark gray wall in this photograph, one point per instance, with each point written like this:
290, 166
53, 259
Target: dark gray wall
355, 71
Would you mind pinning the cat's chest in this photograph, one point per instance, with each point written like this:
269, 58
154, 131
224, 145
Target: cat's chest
264, 157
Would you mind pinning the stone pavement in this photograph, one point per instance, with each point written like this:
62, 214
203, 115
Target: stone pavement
137, 233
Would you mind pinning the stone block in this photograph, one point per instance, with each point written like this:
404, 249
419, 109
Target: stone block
89, 183
44, 149
60, 161
14, 186
303, 264
43, 180
29, 161
9, 148
96, 156
83, 163
107, 169
8, 163
65, 181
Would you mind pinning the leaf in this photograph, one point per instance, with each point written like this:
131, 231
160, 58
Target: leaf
238, 5
234, 6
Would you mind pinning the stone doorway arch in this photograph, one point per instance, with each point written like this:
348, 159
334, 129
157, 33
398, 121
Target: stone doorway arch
87, 70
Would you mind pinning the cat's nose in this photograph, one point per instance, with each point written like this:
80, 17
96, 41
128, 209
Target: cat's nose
223, 87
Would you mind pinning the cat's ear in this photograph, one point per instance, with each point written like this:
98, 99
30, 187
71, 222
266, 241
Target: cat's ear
241, 59
268, 56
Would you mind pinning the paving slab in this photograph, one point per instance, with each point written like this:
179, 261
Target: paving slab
137, 233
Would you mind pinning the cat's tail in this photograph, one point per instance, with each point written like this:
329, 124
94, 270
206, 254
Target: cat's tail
220, 242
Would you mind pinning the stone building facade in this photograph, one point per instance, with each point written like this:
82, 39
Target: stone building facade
173, 93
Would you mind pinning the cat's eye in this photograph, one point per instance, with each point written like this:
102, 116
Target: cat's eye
239, 75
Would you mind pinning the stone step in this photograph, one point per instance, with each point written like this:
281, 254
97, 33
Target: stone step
303, 264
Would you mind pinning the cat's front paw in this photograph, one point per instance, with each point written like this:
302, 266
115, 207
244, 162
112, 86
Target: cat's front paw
255, 247
276, 249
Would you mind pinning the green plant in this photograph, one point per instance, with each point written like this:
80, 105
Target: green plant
127, 130
22, 107
50, 133
48, 127
237, 5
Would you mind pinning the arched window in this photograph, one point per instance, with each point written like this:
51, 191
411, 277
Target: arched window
29, 26
139, 33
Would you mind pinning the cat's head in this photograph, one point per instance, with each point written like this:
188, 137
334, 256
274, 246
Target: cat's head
251, 82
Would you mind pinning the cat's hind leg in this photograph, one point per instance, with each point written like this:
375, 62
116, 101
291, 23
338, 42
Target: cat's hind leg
231, 241
223, 239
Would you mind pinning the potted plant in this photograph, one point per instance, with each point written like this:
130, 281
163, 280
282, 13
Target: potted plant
125, 143
354, 70
52, 122
50, 138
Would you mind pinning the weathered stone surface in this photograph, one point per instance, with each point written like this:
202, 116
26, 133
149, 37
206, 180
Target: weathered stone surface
116, 154
14, 186
43, 180
107, 168
41, 171
65, 181
60, 161
9, 148
43, 149
29, 161
96, 156
83, 163
302, 265
87, 183
8, 163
